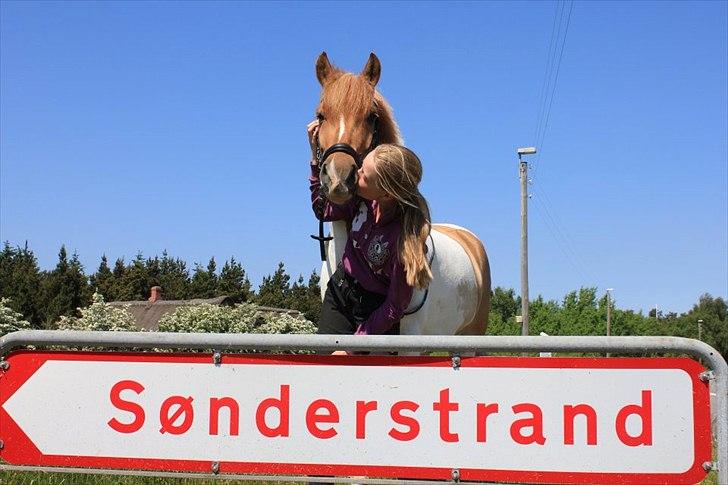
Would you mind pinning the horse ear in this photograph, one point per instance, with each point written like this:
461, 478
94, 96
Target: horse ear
323, 68
372, 70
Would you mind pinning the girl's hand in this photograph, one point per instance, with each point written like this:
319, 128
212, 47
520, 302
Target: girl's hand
313, 129
340, 352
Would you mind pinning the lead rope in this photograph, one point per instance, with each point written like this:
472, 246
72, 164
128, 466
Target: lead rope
320, 210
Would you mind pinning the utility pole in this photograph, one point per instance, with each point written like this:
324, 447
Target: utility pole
609, 311
609, 314
523, 171
700, 329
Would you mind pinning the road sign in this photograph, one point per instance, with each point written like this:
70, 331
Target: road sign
577, 420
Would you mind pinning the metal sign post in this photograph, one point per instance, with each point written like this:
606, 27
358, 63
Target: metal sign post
524, 419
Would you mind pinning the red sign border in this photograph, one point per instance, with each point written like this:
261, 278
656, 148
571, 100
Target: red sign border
19, 450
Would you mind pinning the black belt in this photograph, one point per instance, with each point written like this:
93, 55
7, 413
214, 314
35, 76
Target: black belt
353, 284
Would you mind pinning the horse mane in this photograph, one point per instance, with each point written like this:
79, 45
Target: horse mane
355, 92
387, 127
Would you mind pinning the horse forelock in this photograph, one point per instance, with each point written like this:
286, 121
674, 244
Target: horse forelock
348, 93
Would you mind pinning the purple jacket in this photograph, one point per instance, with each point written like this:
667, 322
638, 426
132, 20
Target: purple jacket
370, 255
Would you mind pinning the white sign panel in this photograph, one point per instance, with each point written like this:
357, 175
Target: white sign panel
520, 419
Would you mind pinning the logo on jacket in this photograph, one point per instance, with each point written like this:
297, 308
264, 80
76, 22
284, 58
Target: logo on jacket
378, 251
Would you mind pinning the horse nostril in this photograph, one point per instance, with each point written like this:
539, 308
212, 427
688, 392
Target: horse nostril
351, 179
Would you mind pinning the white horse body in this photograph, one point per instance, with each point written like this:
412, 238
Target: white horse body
453, 295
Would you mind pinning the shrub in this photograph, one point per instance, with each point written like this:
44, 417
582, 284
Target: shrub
100, 316
10, 320
242, 318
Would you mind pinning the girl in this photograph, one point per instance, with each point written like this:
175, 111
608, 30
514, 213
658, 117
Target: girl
384, 258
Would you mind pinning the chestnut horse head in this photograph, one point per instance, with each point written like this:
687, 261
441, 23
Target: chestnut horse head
353, 119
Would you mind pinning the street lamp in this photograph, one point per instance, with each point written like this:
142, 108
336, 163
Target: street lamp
700, 329
523, 171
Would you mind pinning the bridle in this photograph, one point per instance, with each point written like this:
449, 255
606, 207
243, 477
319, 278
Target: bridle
321, 156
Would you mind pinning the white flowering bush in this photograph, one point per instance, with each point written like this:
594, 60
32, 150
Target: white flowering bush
10, 320
242, 318
206, 318
100, 316
285, 323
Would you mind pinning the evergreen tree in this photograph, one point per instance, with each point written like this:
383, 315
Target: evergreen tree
204, 281
154, 271
174, 278
297, 298
103, 280
274, 289
135, 283
117, 279
233, 282
20, 281
313, 292
66, 288
7, 261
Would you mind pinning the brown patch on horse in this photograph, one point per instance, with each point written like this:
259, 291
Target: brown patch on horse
479, 259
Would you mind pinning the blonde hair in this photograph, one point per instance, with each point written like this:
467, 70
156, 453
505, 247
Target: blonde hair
399, 172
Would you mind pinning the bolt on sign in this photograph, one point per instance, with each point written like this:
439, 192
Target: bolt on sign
541, 420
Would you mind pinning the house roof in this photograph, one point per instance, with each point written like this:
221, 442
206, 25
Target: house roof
148, 314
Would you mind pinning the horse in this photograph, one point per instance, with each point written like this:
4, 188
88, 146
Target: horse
354, 118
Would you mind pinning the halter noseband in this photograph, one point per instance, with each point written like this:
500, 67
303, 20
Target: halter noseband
343, 148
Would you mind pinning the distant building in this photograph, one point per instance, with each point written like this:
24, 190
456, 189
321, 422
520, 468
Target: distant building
147, 313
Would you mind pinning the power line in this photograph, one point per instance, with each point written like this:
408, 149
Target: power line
557, 44
568, 241
540, 143
546, 77
562, 240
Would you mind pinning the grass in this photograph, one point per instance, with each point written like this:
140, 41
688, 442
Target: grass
45, 478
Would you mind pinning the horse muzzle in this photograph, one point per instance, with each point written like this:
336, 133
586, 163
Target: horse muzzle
339, 178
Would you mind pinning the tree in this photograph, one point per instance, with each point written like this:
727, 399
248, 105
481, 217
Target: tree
66, 288
103, 280
154, 271
204, 281
233, 282
313, 292
505, 303
20, 281
174, 278
118, 278
713, 312
274, 289
298, 296
136, 281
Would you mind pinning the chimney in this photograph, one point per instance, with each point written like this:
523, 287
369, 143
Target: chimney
156, 294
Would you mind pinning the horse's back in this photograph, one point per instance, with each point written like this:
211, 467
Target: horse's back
458, 298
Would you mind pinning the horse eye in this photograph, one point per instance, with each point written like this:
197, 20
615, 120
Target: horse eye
320, 117
372, 118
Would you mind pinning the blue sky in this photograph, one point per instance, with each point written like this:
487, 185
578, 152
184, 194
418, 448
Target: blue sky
138, 126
